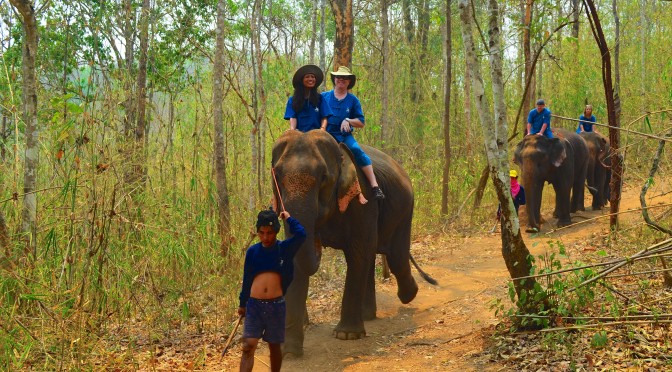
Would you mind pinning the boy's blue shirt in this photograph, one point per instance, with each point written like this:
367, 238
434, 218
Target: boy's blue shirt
278, 258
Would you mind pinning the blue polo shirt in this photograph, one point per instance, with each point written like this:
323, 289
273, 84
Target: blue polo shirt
348, 107
537, 119
587, 127
309, 118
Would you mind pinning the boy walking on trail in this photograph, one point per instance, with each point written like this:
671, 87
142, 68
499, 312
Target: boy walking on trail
268, 271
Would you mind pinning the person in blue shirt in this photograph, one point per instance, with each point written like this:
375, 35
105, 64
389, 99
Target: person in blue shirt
267, 273
539, 120
306, 110
586, 120
348, 115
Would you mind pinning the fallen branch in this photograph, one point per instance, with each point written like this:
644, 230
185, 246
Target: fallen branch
601, 325
607, 215
654, 248
653, 317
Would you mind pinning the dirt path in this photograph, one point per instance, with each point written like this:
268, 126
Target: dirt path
447, 326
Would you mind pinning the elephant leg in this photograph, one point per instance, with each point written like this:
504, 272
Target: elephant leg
598, 198
399, 260
562, 203
351, 325
296, 310
369, 302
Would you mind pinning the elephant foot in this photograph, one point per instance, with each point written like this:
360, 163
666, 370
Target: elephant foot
407, 294
342, 335
290, 351
563, 223
532, 229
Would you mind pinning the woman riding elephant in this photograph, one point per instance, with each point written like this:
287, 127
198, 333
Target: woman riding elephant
561, 161
317, 179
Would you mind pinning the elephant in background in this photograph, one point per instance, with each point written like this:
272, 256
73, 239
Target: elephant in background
319, 183
561, 161
599, 168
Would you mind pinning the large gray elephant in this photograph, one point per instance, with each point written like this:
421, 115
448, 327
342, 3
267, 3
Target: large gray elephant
562, 162
598, 169
320, 186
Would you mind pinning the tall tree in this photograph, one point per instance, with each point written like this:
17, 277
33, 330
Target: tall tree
529, 66
29, 20
385, 119
224, 217
495, 133
448, 79
139, 159
345, 33
259, 99
613, 109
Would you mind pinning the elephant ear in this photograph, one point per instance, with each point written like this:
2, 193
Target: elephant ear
516, 155
348, 183
281, 144
558, 152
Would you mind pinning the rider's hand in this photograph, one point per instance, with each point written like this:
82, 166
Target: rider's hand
345, 126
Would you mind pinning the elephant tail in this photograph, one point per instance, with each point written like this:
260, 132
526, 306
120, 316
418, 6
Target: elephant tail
424, 275
591, 189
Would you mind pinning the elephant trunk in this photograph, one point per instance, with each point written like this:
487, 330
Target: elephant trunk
533, 194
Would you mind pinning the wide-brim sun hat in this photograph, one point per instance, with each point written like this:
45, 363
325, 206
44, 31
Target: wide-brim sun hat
297, 80
513, 173
344, 71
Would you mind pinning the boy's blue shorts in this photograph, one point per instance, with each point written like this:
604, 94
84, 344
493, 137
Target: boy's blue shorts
265, 319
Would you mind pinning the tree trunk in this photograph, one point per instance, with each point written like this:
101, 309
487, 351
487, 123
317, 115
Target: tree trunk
448, 78
140, 170
409, 31
345, 33
385, 119
514, 251
613, 110
643, 26
313, 34
4, 236
223, 224
323, 58
575, 18
259, 92
468, 136
529, 67
129, 41
29, 216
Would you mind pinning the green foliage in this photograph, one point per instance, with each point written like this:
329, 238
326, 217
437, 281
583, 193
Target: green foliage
599, 340
554, 297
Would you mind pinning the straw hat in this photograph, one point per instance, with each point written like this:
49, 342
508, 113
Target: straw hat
297, 80
344, 71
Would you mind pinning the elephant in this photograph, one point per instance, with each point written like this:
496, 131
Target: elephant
599, 168
561, 161
319, 183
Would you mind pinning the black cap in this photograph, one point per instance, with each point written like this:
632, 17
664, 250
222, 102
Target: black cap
268, 218
541, 102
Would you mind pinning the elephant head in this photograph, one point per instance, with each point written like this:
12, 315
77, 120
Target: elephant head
316, 177
598, 168
539, 159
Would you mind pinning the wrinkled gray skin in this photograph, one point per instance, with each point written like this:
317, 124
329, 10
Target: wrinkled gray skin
561, 161
360, 231
598, 169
